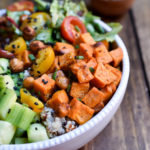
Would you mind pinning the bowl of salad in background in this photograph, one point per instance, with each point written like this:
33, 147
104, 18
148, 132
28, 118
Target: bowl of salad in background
63, 75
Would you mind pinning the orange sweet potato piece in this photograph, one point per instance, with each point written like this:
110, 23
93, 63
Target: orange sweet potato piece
86, 38
116, 72
63, 48
86, 50
99, 107
102, 76
80, 112
44, 86
106, 43
117, 56
92, 63
77, 66
93, 97
104, 57
59, 102
66, 60
78, 90
84, 75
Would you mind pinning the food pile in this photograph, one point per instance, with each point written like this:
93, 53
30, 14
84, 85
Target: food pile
58, 68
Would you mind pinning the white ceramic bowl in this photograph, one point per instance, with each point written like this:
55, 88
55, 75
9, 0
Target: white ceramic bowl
83, 134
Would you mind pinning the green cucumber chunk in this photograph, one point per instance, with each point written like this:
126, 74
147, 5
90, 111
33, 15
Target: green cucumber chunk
20, 116
36, 132
7, 100
21, 140
4, 65
6, 82
7, 131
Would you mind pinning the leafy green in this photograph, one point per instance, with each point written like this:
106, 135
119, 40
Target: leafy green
42, 5
45, 36
109, 36
15, 15
16, 30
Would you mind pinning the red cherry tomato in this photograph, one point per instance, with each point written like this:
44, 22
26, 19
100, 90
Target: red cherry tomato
21, 6
6, 54
68, 28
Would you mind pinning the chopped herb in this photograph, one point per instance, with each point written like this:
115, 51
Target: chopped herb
76, 46
79, 99
31, 57
39, 93
54, 75
92, 69
79, 57
77, 28
69, 87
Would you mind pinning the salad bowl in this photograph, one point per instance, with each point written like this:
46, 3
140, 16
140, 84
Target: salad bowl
86, 132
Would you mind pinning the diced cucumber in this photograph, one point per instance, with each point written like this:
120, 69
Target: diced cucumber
7, 100
36, 132
6, 82
4, 64
21, 140
7, 131
20, 116
19, 132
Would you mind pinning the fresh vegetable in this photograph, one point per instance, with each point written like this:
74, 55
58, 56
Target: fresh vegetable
4, 65
37, 132
7, 131
44, 61
18, 46
7, 100
68, 30
31, 101
21, 140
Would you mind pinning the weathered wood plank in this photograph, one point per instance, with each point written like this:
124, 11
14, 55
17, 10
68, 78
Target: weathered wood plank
141, 13
129, 128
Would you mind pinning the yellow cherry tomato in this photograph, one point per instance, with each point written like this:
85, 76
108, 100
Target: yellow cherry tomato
36, 21
44, 61
31, 101
17, 46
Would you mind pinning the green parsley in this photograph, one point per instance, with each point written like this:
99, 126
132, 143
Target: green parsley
77, 28
31, 57
79, 57
79, 99
39, 93
92, 69
76, 46
69, 87
54, 75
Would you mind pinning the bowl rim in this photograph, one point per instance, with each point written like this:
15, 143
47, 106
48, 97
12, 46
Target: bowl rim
93, 121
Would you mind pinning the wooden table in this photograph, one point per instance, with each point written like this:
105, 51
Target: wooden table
130, 127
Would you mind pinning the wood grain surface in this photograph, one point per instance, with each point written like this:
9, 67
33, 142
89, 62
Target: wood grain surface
130, 127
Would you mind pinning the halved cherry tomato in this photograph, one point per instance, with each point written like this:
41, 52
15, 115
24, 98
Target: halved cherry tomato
21, 6
6, 54
68, 28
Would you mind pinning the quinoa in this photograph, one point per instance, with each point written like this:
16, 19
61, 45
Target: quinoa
55, 125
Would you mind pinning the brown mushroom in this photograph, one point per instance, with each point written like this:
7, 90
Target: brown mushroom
16, 65
28, 33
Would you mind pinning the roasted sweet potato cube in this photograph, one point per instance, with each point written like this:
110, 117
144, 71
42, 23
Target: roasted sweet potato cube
86, 50
84, 75
86, 38
93, 97
63, 48
108, 91
66, 60
44, 86
102, 76
104, 57
106, 43
77, 66
117, 56
99, 107
116, 72
59, 102
78, 90
80, 112
92, 63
